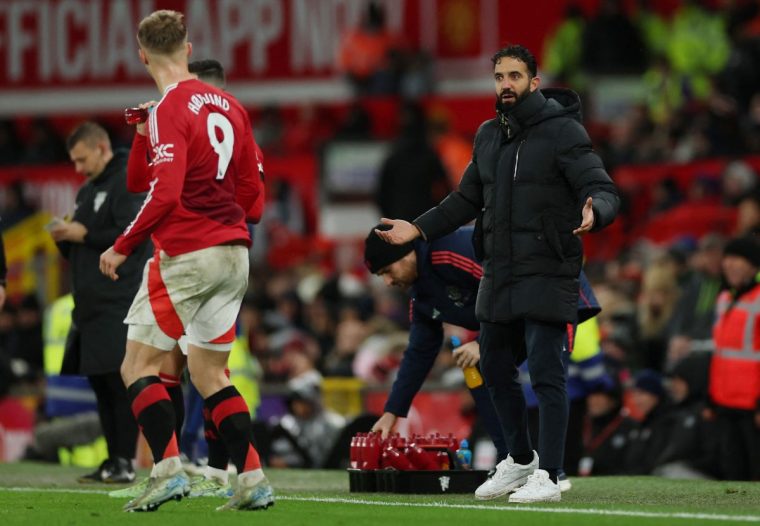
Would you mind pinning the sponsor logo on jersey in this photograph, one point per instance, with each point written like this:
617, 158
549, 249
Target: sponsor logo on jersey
162, 153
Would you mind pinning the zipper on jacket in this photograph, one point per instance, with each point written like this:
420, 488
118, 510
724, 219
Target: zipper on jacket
517, 160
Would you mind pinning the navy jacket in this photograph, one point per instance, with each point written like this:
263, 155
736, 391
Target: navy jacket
448, 276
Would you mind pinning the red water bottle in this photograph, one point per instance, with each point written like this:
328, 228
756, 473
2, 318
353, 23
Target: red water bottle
360, 444
372, 452
135, 115
443, 460
420, 458
394, 459
352, 453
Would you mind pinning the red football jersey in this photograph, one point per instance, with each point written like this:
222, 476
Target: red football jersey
204, 172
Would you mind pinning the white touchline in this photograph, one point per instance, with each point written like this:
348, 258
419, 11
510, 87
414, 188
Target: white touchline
580, 511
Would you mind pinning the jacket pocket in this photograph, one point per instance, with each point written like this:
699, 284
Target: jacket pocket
552, 236
477, 235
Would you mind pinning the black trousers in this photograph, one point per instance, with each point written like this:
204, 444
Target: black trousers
739, 444
573, 437
116, 419
503, 346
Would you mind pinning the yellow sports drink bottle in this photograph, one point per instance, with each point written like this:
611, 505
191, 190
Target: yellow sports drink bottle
472, 375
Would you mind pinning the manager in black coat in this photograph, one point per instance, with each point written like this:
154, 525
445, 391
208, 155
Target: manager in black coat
532, 179
96, 343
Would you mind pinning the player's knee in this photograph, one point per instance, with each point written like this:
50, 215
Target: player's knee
207, 379
126, 373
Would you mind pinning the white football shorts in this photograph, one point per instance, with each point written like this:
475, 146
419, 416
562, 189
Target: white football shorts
197, 294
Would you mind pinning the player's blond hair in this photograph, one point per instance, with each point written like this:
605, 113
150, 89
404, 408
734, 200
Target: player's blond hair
162, 32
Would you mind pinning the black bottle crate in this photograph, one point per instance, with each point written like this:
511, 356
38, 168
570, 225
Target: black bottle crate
419, 482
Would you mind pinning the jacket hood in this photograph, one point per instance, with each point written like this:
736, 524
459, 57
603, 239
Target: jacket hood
542, 105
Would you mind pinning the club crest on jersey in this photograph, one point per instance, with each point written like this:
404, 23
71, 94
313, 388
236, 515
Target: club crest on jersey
162, 153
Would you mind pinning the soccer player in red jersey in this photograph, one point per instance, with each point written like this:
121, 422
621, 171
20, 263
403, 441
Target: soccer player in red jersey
204, 180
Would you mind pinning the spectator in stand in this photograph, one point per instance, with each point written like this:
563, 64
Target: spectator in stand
611, 43
606, 430
740, 78
43, 145
694, 315
656, 305
366, 55
665, 195
412, 177
29, 332
349, 335
453, 149
734, 386
663, 91
652, 434
738, 180
698, 46
652, 27
356, 124
748, 214
563, 49
692, 448
306, 435
269, 129
16, 207
10, 147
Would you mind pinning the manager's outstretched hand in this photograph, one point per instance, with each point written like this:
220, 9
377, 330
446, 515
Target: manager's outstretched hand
400, 232
587, 219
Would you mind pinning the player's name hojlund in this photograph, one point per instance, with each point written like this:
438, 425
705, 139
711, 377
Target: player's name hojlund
198, 100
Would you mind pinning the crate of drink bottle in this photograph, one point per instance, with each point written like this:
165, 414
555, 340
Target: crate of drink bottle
369, 451
425, 464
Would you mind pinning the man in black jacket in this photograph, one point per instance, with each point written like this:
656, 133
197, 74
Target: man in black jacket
532, 177
96, 343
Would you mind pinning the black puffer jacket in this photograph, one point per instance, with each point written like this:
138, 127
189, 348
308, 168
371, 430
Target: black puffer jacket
527, 188
105, 207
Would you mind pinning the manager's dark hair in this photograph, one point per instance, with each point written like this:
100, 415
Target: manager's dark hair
209, 71
520, 53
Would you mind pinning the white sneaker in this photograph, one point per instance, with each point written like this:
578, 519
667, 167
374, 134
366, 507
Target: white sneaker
564, 483
539, 488
508, 477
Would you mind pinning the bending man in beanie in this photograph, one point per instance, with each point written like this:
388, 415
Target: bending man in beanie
734, 384
442, 278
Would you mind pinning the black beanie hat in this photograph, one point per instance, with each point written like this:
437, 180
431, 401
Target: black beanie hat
379, 254
747, 247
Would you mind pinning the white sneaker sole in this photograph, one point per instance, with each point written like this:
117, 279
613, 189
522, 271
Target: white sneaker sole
505, 491
529, 500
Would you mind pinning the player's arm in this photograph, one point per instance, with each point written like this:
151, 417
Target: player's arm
249, 193
425, 340
138, 171
168, 171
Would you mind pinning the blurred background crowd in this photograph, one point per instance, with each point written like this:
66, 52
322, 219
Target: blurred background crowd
671, 98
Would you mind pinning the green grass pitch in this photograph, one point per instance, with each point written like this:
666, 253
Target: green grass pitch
46, 495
